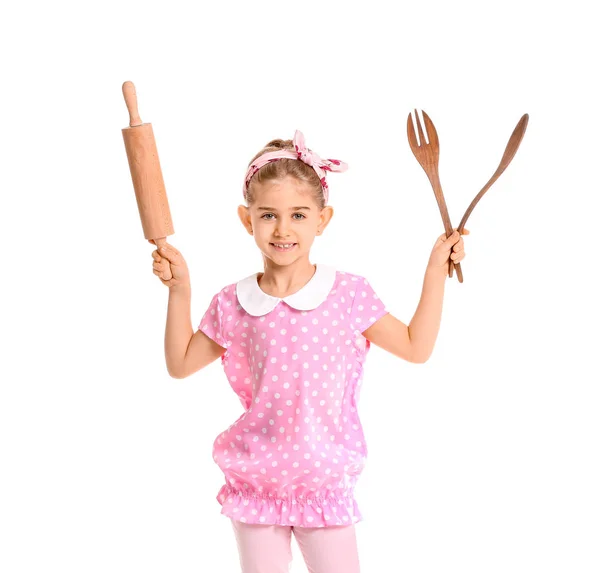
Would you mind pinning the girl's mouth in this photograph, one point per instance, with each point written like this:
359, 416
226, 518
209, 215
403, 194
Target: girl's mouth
283, 247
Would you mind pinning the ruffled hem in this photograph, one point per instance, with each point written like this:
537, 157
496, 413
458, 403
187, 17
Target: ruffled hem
270, 510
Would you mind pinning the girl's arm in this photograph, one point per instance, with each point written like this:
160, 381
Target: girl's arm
178, 332
415, 342
425, 324
186, 352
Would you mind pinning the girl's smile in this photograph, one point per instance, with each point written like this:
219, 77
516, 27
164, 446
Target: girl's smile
283, 247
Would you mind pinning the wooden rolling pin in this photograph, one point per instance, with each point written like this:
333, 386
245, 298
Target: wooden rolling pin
146, 174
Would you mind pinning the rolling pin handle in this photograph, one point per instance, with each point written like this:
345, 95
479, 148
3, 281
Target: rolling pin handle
131, 102
161, 242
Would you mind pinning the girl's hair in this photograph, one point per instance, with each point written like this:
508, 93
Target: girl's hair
282, 167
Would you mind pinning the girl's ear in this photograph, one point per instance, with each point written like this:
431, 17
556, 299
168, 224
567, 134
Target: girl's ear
244, 215
325, 217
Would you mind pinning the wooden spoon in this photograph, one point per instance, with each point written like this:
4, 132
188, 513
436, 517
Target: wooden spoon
428, 154
509, 153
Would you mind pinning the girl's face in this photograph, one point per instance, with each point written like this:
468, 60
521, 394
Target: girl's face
284, 213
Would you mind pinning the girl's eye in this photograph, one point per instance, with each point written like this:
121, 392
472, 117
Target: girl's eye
302, 216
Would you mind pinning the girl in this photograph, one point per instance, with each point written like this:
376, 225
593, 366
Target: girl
293, 341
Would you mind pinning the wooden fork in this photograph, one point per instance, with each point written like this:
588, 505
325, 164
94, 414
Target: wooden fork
428, 155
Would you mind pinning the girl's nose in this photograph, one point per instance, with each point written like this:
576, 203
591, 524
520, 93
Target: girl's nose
281, 229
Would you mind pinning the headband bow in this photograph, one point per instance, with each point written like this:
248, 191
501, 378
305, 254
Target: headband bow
303, 153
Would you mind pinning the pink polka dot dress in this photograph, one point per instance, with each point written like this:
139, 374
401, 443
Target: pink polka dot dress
295, 454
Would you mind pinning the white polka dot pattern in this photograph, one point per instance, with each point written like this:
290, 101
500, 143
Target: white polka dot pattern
295, 454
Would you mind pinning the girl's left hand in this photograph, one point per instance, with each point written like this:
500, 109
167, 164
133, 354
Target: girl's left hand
448, 248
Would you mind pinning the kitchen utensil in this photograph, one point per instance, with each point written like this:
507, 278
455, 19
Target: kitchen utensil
509, 153
427, 154
150, 193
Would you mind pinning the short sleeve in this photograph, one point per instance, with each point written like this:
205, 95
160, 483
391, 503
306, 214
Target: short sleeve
367, 307
212, 321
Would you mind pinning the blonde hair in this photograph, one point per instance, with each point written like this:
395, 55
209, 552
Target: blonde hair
282, 167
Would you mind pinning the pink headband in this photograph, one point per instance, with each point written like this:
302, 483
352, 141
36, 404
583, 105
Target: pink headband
304, 154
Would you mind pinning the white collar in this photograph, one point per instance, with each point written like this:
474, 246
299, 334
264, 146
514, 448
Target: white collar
257, 302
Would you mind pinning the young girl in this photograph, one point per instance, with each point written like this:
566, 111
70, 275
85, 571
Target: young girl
293, 341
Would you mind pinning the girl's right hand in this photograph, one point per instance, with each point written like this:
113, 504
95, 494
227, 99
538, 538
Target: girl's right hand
173, 259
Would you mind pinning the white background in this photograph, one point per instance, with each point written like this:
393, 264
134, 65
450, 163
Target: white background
485, 458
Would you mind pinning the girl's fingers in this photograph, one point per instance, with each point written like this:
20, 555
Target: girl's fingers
452, 238
160, 260
166, 250
165, 282
169, 253
160, 264
442, 238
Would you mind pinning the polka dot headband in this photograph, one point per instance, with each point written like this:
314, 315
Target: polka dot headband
321, 166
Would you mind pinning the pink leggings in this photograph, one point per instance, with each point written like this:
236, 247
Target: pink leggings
267, 548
